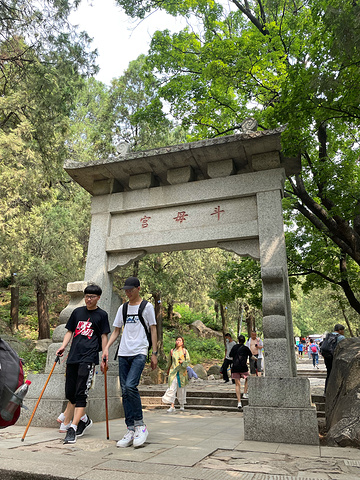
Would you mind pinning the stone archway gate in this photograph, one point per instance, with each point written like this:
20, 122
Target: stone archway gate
225, 193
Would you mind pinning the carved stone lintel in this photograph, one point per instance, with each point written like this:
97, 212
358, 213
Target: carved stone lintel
244, 248
117, 260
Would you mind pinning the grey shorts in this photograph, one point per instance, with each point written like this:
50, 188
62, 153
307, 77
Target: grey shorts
255, 365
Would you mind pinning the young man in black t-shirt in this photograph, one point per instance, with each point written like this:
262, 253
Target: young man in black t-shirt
88, 327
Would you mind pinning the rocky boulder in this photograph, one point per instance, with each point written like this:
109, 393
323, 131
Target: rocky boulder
342, 406
214, 370
205, 332
200, 371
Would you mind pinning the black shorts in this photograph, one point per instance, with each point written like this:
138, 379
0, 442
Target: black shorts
78, 382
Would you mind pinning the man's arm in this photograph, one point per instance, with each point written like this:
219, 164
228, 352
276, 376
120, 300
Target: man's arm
105, 348
67, 338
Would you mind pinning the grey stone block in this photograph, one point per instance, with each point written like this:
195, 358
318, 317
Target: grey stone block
265, 161
274, 326
279, 392
277, 358
281, 425
222, 168
176, 176
143, 180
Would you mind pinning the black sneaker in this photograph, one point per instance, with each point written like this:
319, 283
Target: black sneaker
70, 436
83, 426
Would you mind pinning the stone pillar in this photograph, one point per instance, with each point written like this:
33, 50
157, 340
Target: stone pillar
279, 403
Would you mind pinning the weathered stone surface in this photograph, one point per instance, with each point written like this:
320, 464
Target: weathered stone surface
43, 345
342, 407
214, 370
205, 332
200, 371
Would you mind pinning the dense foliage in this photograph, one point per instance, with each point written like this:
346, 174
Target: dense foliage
284, 63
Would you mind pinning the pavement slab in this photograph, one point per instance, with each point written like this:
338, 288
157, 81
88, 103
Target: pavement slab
198, 445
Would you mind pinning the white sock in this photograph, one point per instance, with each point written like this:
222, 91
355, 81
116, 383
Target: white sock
65, 427
74, 426
61, 417
84, 418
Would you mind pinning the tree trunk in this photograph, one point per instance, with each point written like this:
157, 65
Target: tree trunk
14, 307
223, 321
42, 310
159, 322
170, 311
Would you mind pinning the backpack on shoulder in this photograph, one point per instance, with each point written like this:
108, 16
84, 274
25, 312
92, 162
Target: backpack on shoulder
11, 377
328, 345
314, 349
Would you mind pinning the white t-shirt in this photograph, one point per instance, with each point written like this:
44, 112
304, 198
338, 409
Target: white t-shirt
134, 340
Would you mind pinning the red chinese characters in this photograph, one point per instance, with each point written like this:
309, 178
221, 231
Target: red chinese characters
218, 211
181, 217
144, 221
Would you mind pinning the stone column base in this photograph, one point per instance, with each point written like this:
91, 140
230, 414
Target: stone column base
280, 411
53, 401
281, 425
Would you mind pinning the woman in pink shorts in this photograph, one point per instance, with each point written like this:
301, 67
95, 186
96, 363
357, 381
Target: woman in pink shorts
239, 354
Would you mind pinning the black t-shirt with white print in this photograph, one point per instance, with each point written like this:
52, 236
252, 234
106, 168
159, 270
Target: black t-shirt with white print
87, 326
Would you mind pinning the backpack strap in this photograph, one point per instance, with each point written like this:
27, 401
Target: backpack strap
124, 312
141, 318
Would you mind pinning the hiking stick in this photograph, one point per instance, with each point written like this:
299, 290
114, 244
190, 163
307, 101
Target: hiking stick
106, 401
57, 359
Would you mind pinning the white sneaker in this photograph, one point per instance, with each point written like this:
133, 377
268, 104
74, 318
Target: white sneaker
171, 410
245, 395
182, 408
240, 408
141, 434
127, 439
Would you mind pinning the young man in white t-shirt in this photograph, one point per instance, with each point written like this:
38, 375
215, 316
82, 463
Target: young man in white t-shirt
132, 354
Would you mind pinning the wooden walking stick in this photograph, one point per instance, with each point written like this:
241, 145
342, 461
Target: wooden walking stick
57, 359
106, 401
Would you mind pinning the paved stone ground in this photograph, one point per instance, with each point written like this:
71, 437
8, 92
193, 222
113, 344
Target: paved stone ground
204, 445
187, 445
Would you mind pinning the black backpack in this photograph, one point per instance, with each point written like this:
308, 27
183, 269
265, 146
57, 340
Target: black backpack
141, 309
11, 377
328, 346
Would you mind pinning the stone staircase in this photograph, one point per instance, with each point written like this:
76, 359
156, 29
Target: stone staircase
209, 400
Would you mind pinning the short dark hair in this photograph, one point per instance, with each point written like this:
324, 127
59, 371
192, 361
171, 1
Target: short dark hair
241, 339
93, 290
228, 335
338, 327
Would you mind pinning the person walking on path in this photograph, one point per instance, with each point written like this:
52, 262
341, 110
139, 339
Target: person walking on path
227, 361
256, 345
132, 353
178, 361
314, 349
88, 328
328, 347
239, 354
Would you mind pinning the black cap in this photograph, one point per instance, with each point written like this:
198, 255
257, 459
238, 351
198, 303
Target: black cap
131, 282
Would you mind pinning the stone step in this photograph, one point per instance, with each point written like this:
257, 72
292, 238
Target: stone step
210, 400
312, 373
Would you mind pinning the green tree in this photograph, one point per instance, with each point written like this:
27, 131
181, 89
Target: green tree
42, 65
283, 63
